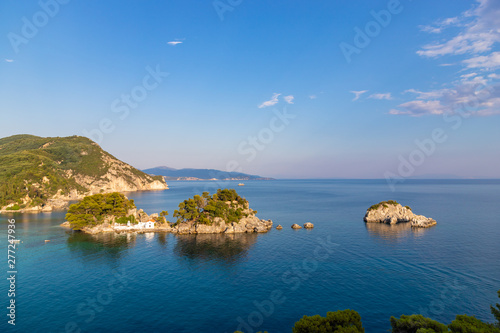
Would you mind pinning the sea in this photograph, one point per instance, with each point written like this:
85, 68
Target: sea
71, 282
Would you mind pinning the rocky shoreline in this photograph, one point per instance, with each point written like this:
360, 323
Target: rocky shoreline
391, 212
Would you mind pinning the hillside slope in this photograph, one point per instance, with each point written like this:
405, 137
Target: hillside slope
43, 173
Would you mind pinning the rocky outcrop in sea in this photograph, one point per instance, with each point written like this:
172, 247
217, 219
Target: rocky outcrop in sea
391, 212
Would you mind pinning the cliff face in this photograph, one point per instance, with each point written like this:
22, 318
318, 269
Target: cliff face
40, 174
247, 224
392, 213
119, 177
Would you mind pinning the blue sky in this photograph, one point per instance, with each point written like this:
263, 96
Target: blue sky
287, 89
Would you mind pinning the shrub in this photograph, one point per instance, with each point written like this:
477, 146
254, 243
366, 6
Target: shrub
468, 324
496, 311
15, 207
339, 321
385, 204
416, 323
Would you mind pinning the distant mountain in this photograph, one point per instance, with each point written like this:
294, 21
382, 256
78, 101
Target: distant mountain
436, 176
200, 174
39, 174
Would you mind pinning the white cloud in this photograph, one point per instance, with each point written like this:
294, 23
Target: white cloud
427, 95
476, 41
472, 96
419, 108
487, 62
480, 33
175, 42
440, 25
467, 76
271, 102
386, 96
313, 96
289, 99
465, 43
9, 60
358, 94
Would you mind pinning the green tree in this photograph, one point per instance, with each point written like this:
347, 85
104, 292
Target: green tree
225, 204
342, 321
93, 210
163, 216
416, 323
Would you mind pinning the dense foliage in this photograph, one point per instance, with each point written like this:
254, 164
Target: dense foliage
466, 324
38, 167
416, 323
94, 209
345, 321
226, 204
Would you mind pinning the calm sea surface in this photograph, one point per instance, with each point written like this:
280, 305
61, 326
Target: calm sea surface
215, 283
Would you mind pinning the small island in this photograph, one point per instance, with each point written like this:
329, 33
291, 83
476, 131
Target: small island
391, 212
223, 212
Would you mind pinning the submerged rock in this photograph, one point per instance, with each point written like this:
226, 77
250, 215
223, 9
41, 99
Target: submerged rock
391, 212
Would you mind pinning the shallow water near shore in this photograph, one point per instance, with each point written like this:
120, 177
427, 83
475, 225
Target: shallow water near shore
219, 283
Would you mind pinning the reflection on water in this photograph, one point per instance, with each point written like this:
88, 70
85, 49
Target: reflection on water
162, 239
393, 232
109, 245
227, 249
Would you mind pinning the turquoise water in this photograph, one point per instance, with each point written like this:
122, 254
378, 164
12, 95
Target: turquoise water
213, 283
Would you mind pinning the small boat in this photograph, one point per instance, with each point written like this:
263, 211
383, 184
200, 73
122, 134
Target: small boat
241, 184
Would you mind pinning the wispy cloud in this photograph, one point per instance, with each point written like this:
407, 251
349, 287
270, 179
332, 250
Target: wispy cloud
313, 96
440, 25
386, 96
271, 102
357, 94
472, 96
289, 99
419, 108
427, 95
174, 42
487, 62
9, 60
480, 34
474, 92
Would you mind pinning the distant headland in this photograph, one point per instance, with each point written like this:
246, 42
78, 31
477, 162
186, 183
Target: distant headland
41, 174
200, 174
